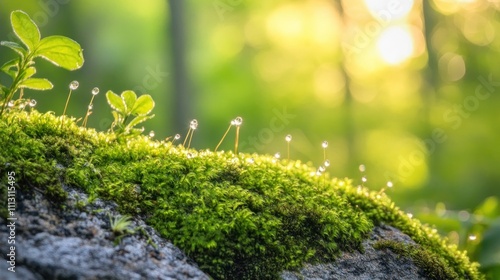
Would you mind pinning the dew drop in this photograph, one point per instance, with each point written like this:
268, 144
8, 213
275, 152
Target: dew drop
324, 144
152, 134
322, 168
288, 138
250, 160
91, 107
364, 179
410, 215
193, 124
326, 163
277, 155
177, 137
32, 103
95, 91
237, 122
22, 105
189, 155
11, 104
472, 237
389, 184
74, 85
362, 168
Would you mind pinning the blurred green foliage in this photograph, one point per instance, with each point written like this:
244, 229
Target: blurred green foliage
408, 90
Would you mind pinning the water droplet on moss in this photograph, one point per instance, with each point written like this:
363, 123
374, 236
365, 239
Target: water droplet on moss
95, 91
288, 138
151, 134
324, 144
11, 104
362, 168
177, 137
364, 179
277, 155
389, 184
32, 103
193, 124
74, 85
91, 107
326, 163
237, 122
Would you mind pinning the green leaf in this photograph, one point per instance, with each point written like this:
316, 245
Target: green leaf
143, 105
3, 90
118, 119
61, 51
129, 98
25, 29
36, 83
15, 47
139, 119
8, 66
30, 71
115, 102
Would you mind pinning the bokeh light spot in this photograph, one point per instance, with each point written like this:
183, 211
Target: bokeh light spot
395, 45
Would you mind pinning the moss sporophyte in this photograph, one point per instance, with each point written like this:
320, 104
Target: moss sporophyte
239, 216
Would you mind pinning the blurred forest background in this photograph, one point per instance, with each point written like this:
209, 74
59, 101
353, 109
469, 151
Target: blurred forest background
410, 89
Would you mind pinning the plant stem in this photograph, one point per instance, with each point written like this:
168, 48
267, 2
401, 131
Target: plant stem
67, 101
15, 84
187, 136
224, 136
236, 140
190, 138
84, 124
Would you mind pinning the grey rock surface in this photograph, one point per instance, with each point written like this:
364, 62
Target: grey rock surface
371, 265
77, 243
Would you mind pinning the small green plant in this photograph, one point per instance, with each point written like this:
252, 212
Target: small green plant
129, 111
120, 226
59, 50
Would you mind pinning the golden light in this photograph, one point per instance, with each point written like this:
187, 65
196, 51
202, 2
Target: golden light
389, 10
395, 45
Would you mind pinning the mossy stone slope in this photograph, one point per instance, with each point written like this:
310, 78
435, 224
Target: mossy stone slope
238, 216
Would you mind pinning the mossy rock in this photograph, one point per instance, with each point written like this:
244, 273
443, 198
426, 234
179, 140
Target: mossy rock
244, 216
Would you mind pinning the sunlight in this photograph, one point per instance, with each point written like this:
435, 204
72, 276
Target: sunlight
389, 10
395, 45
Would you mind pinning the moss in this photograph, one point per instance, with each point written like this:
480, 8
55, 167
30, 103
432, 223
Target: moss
238, 216
432, 265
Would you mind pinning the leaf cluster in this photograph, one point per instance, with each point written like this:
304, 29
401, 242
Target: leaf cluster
59, 50
129, 111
